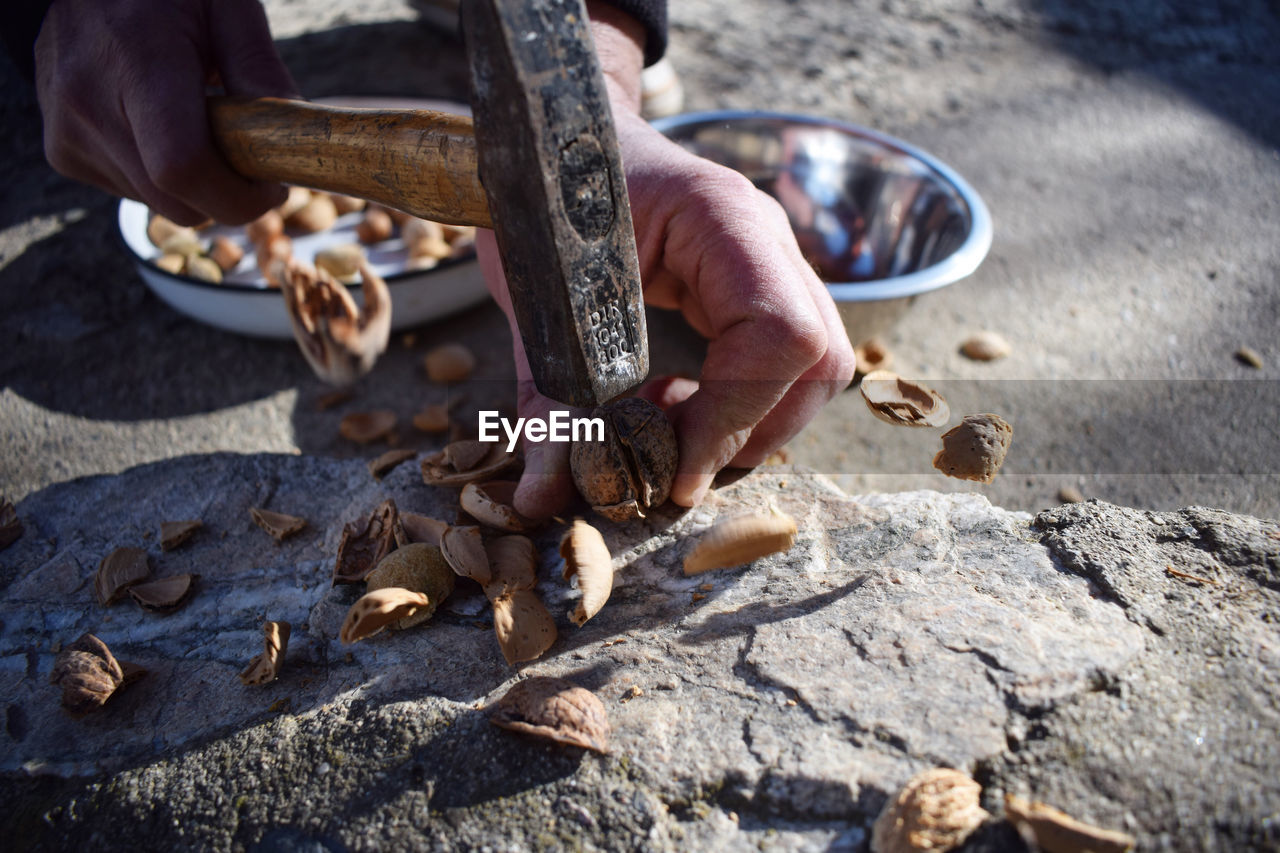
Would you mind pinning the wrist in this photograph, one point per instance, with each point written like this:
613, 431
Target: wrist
619, 42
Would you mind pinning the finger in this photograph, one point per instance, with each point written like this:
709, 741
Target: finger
244, 54
814, 389
126, 180
766, 332
546, 485
170, 124
667, 391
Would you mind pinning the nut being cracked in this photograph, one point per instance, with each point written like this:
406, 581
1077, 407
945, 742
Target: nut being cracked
632, 470
341, 341
936, 810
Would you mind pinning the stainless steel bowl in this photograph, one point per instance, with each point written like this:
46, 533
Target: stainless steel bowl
881, 220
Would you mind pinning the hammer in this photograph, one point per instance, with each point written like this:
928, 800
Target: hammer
539, 165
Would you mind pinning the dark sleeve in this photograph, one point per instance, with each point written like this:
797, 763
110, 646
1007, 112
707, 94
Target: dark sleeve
653, 15
20, 22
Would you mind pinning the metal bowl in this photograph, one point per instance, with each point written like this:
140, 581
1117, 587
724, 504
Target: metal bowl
881, 220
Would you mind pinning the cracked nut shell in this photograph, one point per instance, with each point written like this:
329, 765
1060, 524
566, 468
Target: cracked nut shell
632, 469
553, 709
417, 568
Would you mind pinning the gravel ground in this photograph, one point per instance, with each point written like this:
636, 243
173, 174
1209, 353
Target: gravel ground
1128, 153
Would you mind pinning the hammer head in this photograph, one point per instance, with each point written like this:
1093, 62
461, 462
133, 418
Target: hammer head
549, 163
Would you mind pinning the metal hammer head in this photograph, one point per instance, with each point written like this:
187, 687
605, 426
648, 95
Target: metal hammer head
549, 163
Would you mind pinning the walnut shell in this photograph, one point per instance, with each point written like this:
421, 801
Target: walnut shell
513, 565
554, 709
975, 449
632, 470
378, 609
10, 525
417, 568
741, 540
117, 571
279, 525
365, 543
89, 674
902, 402
524, 627
464, 551
175, 533
164, 595
586, 557
266, 666
1054, 831
383, 465
936, 811
466, 461
492, 504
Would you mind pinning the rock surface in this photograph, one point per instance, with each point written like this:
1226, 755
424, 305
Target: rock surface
780, 705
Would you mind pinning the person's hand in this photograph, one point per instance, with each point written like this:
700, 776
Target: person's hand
723, 253
122, 92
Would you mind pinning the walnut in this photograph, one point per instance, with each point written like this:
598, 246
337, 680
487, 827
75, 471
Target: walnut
936, 810
553, 709
975, 449
632, 470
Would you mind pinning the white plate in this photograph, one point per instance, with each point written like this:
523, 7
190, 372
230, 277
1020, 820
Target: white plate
243, 303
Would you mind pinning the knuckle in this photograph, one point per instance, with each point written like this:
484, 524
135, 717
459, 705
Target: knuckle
174, 170
800, 342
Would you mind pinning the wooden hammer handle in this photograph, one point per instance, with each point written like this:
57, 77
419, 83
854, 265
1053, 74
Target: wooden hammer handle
418, 161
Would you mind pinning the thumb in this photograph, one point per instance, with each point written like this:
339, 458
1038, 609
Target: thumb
244, 53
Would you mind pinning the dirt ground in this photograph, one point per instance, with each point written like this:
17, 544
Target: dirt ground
1128, 152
